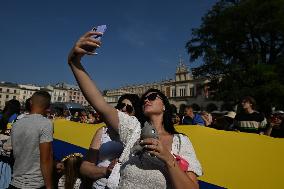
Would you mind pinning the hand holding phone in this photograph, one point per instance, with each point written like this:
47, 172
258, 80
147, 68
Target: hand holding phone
101, 29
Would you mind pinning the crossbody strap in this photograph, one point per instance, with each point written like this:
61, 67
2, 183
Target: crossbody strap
179, 143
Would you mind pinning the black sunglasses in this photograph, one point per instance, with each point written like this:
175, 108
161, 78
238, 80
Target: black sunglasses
151, 97
129, 108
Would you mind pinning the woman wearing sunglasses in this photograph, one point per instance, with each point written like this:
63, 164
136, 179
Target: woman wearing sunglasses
157, 167
106, 148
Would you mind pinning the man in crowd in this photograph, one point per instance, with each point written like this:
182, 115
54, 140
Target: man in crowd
250, 120
32, 149
191, 118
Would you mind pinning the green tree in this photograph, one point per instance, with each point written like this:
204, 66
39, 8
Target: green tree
242, 46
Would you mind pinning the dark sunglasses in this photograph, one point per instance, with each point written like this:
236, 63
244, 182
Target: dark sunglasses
129, 108
151, 97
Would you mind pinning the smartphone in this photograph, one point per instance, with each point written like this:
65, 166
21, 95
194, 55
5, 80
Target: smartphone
101, 29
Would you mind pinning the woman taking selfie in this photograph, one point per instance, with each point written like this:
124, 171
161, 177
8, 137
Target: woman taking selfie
157, 166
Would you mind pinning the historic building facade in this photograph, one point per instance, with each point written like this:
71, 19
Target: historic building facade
60, 92
70, 93
182, 90
26, 91
8, 91
75, 95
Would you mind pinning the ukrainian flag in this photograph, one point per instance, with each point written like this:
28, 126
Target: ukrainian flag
229, 159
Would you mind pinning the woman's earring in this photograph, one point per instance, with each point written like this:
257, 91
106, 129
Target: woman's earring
164, 108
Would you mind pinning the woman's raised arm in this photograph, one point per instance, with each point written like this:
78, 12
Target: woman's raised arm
87, 45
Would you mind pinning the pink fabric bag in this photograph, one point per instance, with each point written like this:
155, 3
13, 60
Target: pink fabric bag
182, 163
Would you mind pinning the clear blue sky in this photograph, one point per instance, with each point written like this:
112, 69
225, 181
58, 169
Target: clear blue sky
142, 43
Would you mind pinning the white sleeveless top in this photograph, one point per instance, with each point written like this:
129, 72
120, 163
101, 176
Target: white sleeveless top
108, 151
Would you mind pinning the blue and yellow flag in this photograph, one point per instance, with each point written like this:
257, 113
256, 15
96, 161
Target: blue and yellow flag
229, 159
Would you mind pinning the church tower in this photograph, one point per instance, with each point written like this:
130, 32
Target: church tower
182, 71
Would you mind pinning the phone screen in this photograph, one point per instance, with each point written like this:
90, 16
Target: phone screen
101, 29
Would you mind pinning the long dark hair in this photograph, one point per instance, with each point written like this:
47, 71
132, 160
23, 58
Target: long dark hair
12, 107
168, 113
72, 171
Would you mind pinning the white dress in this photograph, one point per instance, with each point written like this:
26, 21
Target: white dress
61, 183
146, 171
109, 150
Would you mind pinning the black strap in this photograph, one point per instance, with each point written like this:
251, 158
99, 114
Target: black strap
179, 143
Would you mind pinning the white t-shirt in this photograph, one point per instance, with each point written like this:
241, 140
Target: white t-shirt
27, 134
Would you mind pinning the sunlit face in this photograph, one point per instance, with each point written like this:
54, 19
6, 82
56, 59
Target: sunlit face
153, 104
126, 107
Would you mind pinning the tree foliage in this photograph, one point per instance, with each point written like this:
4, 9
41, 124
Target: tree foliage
242, 45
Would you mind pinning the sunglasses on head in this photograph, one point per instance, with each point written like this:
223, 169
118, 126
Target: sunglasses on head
152, 97
129, 108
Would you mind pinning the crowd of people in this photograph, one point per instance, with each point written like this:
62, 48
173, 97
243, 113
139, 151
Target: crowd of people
245, 119
121, 154
84, 116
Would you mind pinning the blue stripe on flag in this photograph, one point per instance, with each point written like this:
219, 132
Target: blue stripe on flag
62, 149
206, 185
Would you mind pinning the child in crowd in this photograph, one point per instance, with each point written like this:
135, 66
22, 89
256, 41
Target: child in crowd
71, 178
